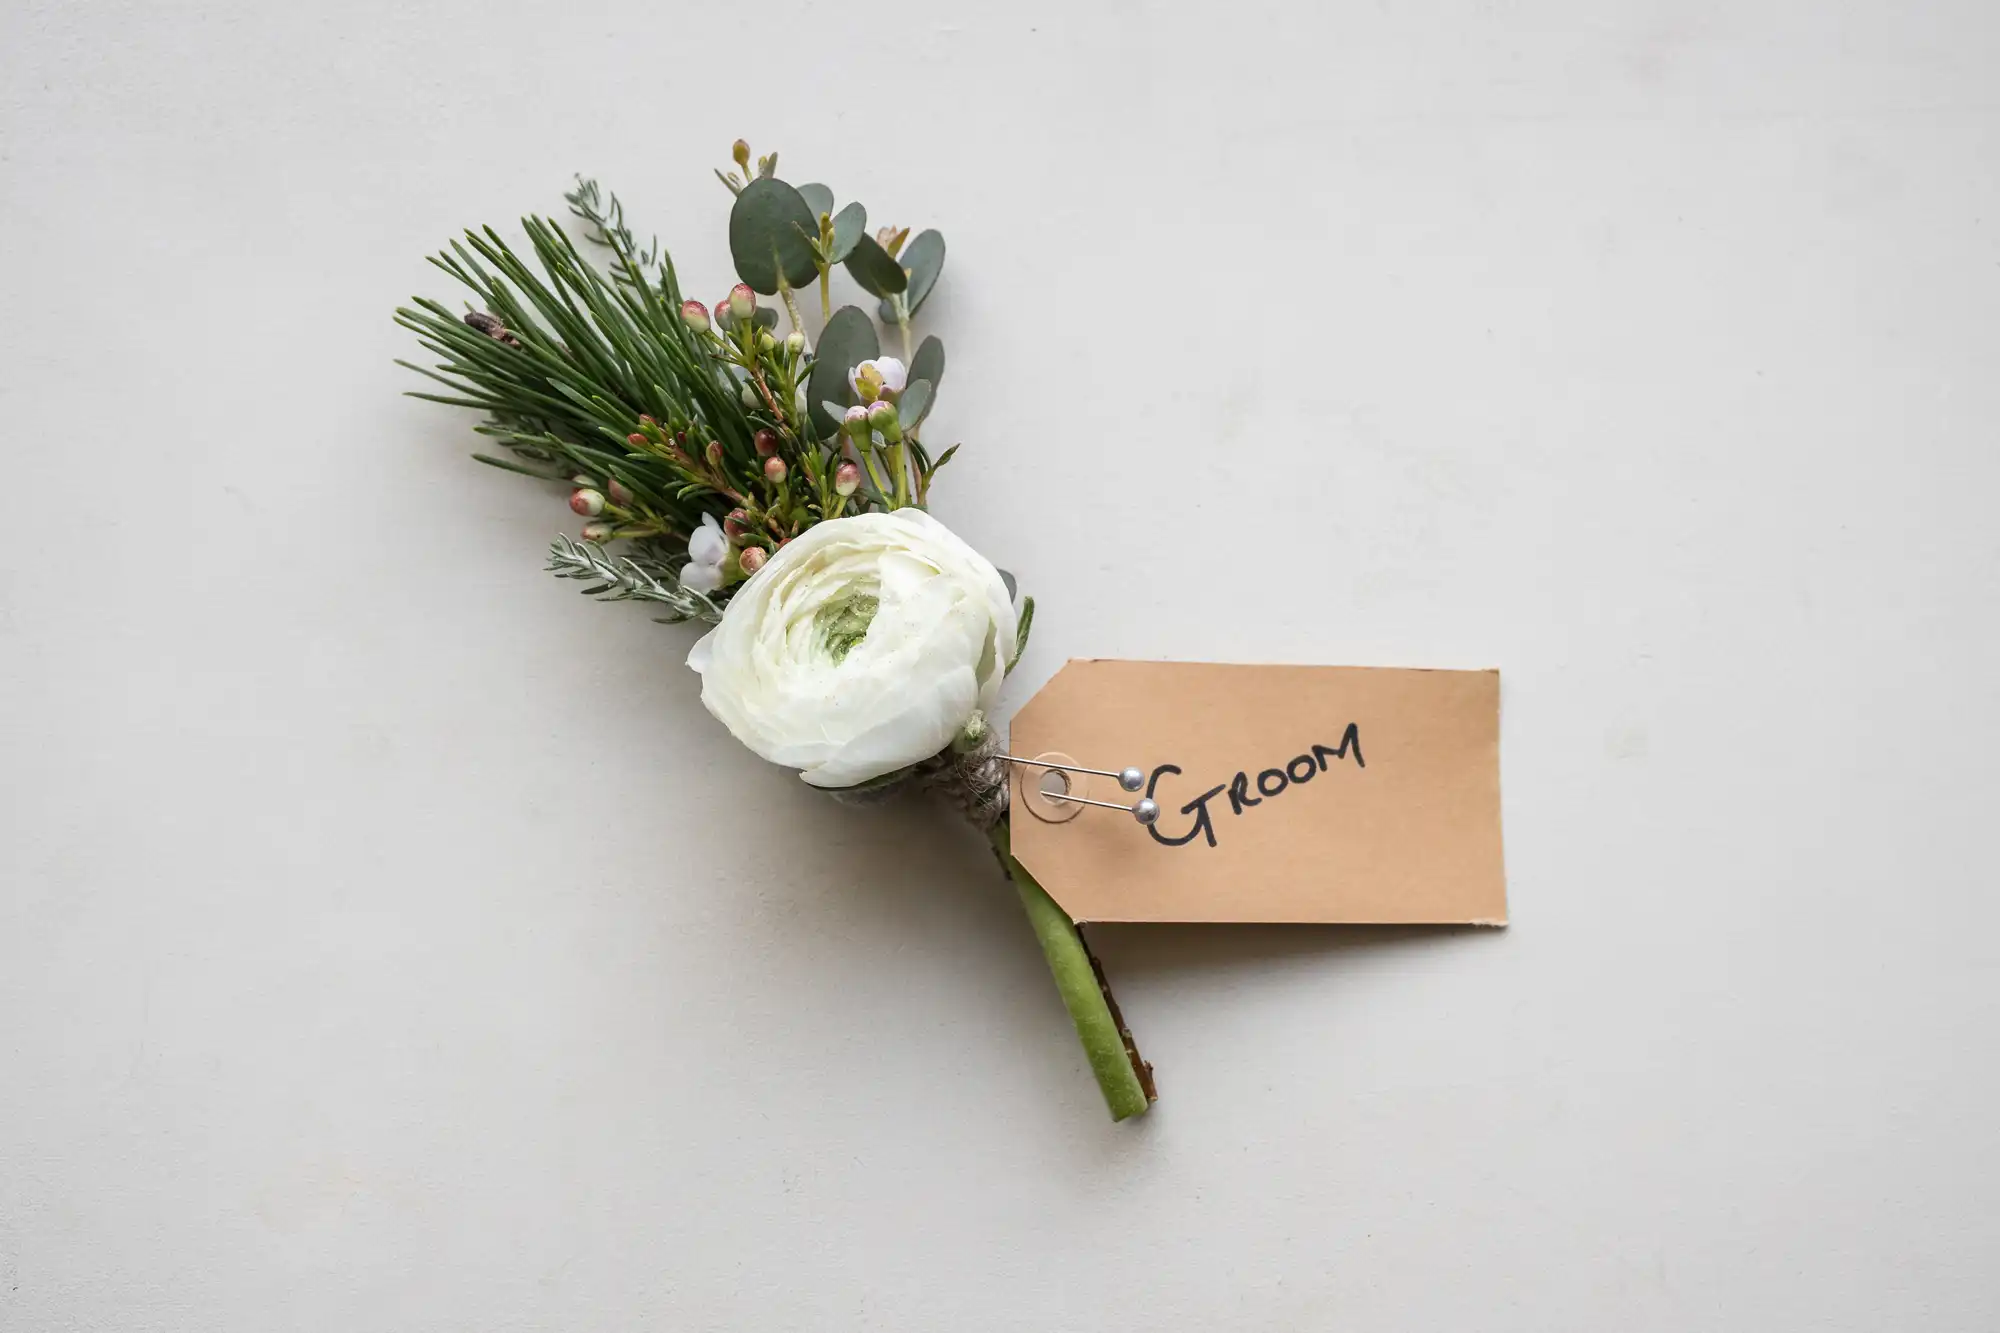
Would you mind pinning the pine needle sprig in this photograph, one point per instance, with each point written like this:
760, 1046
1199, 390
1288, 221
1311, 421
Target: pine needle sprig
565, 362
657, 414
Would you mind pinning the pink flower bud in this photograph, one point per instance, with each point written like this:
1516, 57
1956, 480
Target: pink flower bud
774, 470
599, 531
587, 502
620, 495
736, 524
695, 315
742, 301
751, 559
855, 423
882, 417
766, 441
846, 479
636, 440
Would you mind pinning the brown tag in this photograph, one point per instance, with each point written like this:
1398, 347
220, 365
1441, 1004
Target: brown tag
1339, 794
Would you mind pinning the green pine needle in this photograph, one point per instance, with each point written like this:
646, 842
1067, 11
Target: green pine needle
575, 359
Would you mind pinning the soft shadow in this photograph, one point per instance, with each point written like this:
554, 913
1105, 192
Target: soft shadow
1148, 952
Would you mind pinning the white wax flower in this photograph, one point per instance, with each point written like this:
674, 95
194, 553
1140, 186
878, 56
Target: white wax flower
707, 549
891, 371
708, 546
701, 578
863, 646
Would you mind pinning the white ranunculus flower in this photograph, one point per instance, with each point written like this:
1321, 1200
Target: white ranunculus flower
864, 645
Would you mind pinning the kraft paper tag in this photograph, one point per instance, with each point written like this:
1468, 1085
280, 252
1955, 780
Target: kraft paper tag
1286, 793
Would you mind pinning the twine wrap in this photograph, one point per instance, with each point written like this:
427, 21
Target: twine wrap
974, 781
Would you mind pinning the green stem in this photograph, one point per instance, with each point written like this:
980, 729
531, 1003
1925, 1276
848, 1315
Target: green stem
1122, 1076
825, 299
791, 306
875, 475
903, 325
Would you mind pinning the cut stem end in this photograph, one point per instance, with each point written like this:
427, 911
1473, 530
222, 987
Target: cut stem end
1125, 1079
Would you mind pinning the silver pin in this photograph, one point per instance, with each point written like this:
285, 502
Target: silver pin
1146, 811
1131, 779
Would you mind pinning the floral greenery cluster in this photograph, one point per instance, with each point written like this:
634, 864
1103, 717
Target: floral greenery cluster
698, 443
695, 440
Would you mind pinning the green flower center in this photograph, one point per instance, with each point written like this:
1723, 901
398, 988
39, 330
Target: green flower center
840, 625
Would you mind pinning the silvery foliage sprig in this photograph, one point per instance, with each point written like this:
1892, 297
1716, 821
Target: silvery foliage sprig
625, 578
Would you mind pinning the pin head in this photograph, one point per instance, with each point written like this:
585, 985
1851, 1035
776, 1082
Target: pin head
1131, 779
1147, 810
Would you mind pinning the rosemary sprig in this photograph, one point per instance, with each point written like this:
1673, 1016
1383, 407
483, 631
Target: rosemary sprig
607, 222
628, 578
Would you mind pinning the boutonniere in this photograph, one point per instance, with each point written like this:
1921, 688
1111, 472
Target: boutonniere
735, 467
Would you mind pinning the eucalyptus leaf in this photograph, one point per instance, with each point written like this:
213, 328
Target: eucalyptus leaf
928, 363
766, 317
769, 229
874, 269
848, 226
923, 258
914, 405
847, 340
818, 198
1024, 622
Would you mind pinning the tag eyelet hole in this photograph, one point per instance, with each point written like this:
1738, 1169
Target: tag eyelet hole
1035, 783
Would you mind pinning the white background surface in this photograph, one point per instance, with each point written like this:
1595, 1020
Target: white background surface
390, 941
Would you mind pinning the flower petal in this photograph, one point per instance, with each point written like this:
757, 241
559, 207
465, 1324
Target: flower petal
697, 576
707, 545
788, 676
